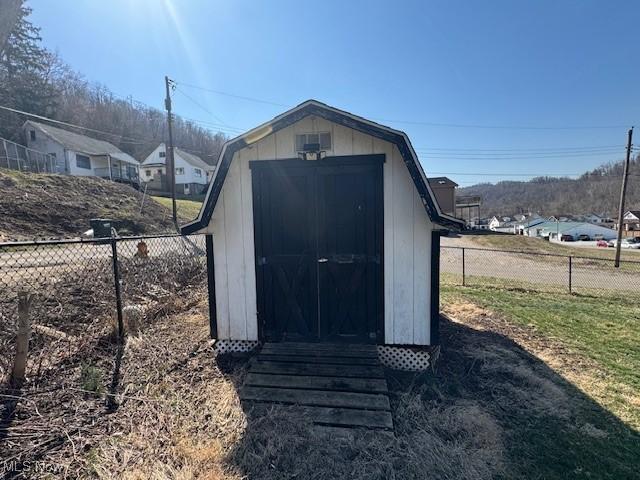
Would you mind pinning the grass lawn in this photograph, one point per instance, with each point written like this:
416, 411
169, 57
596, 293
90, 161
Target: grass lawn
591, 343
187, 209
529, 244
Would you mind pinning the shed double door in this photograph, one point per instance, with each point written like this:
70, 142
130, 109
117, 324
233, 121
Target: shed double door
318, 232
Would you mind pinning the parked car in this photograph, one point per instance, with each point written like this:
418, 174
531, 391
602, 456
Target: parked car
566, 238
602, 243
630, 243
583, 237
612, 243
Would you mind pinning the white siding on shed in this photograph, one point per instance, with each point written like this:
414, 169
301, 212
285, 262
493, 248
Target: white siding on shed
407, 236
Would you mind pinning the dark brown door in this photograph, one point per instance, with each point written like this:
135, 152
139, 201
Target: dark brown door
318, 232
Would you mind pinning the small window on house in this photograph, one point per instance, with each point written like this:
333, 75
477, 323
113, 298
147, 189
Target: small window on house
324, 139
179, 171
32, 135
159, 171
82, 161
197, 172
147, 173
162, 154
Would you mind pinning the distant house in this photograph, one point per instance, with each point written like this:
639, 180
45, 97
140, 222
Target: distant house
631, 220
444, 190
80, 155
482, 224
498, 223
527, 225
192, 173
555, 230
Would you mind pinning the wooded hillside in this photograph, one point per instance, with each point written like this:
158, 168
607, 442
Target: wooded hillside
37, 81
596, 191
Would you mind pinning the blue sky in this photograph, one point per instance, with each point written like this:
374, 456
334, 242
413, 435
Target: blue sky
409, 65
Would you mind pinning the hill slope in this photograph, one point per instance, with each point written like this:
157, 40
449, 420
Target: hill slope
55, 206
596, 191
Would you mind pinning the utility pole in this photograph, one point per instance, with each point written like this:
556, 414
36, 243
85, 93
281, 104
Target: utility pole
170, 159
623, 192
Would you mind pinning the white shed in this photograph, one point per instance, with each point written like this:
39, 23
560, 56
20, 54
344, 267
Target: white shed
324, 229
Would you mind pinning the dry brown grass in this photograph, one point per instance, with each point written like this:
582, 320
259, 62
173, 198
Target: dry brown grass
179, 416
192, 425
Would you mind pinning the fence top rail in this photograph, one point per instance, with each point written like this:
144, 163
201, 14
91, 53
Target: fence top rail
78, 241
543, 254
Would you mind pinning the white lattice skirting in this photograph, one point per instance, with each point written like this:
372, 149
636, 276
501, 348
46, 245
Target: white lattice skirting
410, 359
235, 346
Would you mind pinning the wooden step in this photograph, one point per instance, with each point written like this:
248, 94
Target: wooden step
343, 384
333, 416
368, 351
290, 368
318, 359
316, 398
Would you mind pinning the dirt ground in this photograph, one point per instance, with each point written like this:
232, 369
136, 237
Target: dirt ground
57, 206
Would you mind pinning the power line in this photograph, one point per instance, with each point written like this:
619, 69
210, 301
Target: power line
240, 97
511, 174
533, 149
517, 157
121, 138
418, 122
198, 104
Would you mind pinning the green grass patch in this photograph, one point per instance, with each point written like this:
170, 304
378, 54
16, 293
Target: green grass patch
603, 328
187, 209
598, 436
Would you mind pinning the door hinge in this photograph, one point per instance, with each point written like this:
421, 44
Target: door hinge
262, 261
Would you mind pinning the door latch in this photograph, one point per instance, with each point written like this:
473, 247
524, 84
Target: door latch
323, 260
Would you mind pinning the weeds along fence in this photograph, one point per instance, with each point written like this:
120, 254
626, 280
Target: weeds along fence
85, 294
545, 272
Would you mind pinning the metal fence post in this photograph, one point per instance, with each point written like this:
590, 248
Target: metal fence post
463, 268
116, 279
570, 271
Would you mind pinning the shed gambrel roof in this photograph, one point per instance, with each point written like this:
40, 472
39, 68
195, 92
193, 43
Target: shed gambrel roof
319, 109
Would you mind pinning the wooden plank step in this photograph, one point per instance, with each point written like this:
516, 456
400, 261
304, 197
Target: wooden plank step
342, 384
347, 417
290, 368
316, 398
271, 350
312, 359
379, 420
319, 347
323, 346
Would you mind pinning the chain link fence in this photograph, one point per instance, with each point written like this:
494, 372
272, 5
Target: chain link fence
543, 272
84, 295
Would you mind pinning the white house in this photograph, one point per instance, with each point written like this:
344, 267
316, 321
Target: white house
500, 223
324, 229
79, 155
631, 220
192, 173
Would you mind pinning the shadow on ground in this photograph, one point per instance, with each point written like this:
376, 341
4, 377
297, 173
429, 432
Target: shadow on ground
489, 410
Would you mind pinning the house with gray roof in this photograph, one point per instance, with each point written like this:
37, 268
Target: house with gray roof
192, 173
80, 155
